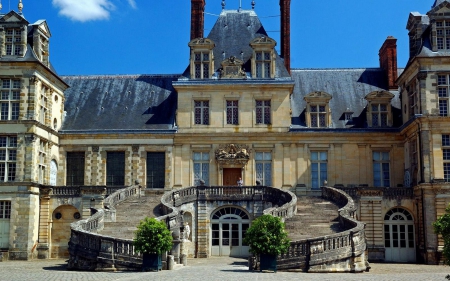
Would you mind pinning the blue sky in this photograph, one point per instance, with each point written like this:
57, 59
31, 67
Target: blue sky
151, 36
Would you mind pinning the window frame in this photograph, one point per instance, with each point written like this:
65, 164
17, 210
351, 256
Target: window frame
201, 167
316, 115
10, 99
383, 181
264, 167
380, 114
443, 90
322, 168
263, 112
75, 168
232, 111
8, 159
154, 180
442, 34
446, 156
202, 112
115, 168
13, 42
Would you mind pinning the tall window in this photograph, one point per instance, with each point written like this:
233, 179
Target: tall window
318, 116
381, 169
319, 168
443, 35
443, 91
201, 109
413, 99
263, 112
232, 112
115, 168
75, 168
201, 167
43, 105
201, 64
263, 161
13, 42
8, 158
379, 115
446, 156
10, 99
41, 162
263, 62
156, 167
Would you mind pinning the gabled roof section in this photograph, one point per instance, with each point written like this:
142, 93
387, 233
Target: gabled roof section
43, 27
348, 89
120, 104
13, 17
438, 4
232, 34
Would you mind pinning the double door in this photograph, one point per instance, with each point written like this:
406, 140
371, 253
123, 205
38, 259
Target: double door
227, 239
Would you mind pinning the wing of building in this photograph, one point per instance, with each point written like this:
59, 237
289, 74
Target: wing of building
238, 110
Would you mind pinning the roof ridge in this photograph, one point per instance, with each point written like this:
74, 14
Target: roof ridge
120, 76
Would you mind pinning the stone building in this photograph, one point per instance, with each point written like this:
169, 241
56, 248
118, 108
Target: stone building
238, 111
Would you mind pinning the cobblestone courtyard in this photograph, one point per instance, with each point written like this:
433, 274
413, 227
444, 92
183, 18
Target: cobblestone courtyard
214, 269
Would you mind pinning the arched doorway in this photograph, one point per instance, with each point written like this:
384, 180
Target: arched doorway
228, 227
399, 239
62, 217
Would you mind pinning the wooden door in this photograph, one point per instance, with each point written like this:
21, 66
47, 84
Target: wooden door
231, 176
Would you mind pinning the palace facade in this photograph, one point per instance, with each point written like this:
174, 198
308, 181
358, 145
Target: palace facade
238, 111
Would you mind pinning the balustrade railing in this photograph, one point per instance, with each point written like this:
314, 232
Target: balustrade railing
311, 254
385, 192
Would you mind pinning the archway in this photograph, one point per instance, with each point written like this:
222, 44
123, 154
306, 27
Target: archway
228, 227
399, 239
62, 217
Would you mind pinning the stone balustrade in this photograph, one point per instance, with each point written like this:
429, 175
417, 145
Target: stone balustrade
340, 252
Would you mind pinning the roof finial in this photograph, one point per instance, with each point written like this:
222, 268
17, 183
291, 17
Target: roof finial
20, 6
240, 5
223, 4
253, 4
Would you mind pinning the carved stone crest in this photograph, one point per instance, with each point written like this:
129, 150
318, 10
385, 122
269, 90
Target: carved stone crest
232, 154
232, 68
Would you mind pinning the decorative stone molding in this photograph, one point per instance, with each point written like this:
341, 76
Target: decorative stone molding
370, 192
135, 148
232, 68
30, 138
45, 192
232, 154
95, 148
422, 75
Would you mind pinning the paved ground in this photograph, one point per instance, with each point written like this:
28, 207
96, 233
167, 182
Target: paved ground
214, 269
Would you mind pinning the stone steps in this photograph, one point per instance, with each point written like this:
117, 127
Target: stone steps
130, 212
315, 217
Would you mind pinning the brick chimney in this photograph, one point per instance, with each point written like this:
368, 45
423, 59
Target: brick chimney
285, 7
197, 18
388, 61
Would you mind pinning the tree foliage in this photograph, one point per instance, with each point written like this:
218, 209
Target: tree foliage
442, 227
152, 236
267, 236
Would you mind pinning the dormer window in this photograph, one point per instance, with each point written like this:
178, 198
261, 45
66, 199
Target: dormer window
202, 60
379, 112
13, 43
318, 110
263, 60
443, 35
348, 116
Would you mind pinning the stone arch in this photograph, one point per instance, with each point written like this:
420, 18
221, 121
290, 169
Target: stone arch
399, 240
61, 219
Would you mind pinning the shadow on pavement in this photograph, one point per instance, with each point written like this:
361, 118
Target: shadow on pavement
56, 267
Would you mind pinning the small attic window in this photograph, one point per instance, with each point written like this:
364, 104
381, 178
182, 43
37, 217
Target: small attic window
318, 110
14, 44
348, 115
202, 59
263, 59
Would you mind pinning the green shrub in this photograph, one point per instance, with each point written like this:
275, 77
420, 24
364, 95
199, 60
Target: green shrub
442, 226
267, 236
152, 236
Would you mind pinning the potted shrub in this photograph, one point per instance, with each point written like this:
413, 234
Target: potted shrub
152, 238
267, 238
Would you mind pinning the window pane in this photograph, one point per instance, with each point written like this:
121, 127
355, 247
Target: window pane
156, 166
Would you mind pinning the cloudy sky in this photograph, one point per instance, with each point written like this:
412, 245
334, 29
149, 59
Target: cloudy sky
151, 36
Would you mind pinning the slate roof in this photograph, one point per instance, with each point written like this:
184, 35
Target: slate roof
438, 2
120, 103
348, 88
232, 34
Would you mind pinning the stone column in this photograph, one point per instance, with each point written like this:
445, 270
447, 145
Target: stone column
203, 223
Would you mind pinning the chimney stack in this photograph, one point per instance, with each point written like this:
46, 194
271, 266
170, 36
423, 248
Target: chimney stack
285, 7
197, 18
388, 61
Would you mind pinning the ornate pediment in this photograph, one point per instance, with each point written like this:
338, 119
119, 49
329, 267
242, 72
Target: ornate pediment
380, 95
232, 68
232, 154
317, 96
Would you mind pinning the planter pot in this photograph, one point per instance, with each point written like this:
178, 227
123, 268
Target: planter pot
268, 262
151, 262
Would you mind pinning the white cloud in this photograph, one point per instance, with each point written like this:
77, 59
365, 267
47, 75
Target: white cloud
132, 4
85, 10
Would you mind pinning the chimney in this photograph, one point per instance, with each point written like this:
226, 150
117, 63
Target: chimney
388, 61
285, 7
197, 18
